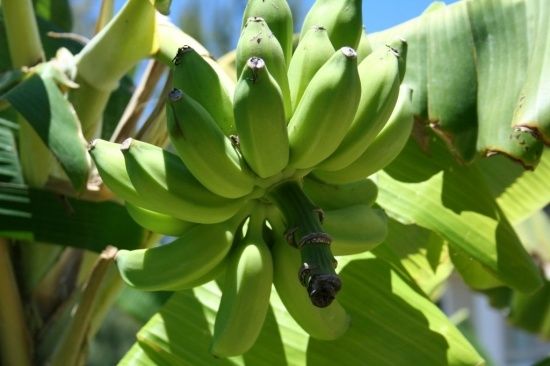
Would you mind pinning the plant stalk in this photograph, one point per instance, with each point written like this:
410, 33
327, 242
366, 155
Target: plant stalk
15, 340
304, 230
69, 350
22, 33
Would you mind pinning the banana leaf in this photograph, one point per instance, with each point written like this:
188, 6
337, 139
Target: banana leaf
54, 120
39, 215
420, 252
387, 315
10, 169
433, 191
480, 70
57, 12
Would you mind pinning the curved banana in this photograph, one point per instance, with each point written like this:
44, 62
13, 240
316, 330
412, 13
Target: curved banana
260, 120
325, 111
206, 151
385, 147
355, 229
158, 222
174, 266
278, 16
245, 294
257, 40
111, 166
332, 197
379, 75
342, 18
195, 76
326, 323
162, 175
310, 55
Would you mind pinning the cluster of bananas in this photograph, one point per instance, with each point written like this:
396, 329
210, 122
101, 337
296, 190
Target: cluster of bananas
274, 160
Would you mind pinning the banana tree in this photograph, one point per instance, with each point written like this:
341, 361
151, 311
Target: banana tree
447, 114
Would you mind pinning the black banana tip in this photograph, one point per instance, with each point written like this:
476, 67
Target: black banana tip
322, 289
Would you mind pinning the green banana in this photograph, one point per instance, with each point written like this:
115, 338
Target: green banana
158, 222
326, 323
260, 120
310, 55
355, 229
208, 154
278, 16
325, 111
162, 175
177, 265
342, 18
245, 294
379, 75
110, 163
257, 40
385, 147
196, 77
333, 197
364, 48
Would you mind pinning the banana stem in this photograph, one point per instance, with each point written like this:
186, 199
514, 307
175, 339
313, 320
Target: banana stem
305, 231
22, 33
106, 12
69, 350
15, 340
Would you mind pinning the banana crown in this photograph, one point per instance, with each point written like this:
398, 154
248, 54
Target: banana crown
297, 134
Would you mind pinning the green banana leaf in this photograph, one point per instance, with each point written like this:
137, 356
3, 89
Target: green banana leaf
39, 215
387, 315
56, 11
480, 70
433, 191
10, 169
54, 120
421, 253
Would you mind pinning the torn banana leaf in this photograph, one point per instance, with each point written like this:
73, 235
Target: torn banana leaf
496, 99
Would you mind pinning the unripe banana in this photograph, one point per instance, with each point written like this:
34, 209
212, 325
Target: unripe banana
260, 120
278, 16
326, 323
162, 175
174, 266
379, 75
206, 151
256, 40
310, 55
385, 147
342, 18
111, 165
196, 77
245, 295
364, 49
158, 222
325, 111
333, 197
355, 229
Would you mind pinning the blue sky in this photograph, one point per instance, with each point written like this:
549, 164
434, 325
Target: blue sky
377, 15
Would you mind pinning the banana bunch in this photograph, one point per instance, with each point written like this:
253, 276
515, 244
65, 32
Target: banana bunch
269, 179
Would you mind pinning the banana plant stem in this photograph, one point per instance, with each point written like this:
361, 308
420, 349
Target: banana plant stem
15, 340
22, 33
